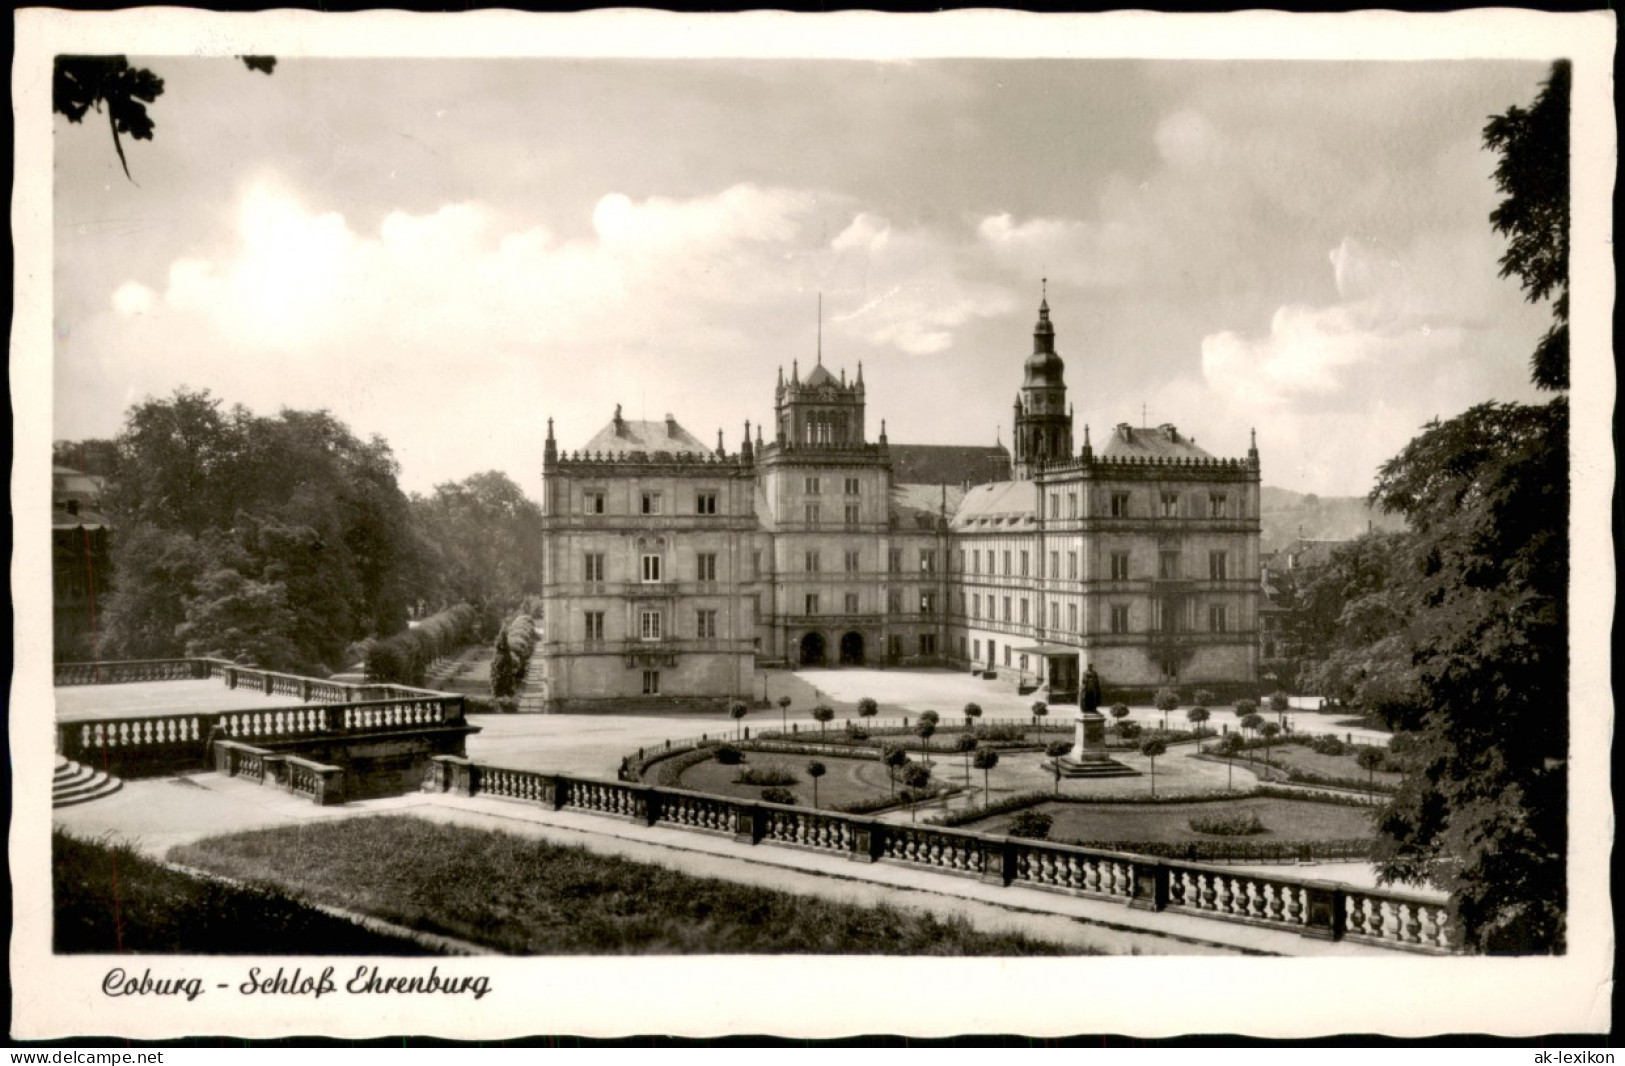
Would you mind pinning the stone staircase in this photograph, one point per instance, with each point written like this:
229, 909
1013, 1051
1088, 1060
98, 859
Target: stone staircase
76, 783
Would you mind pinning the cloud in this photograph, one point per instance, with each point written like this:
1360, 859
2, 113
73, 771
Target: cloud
133, 298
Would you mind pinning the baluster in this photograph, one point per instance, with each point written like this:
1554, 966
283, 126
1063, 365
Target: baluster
1275, 905
1294, 905
1354, 921
1375, 925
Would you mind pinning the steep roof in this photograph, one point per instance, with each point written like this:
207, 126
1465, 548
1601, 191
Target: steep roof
819, 376
1007, 505
622, 436
949, 464
917, 506
1163, 442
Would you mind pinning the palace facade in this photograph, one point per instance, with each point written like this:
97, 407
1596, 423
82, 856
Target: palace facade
674, 569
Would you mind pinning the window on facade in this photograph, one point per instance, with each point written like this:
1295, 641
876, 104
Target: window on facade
928, 603
851, 603
1119, 618
1024, 611
651, 569
928, 643
1007, 564
976, 606
1007, 655
852, 560
651, 503
706, 567
595, 626
649, 627
1007, 608
1170, 505
976, 561
852, 486
1072, 617
1119, 505
1054, 615
894, 560
928, 560
651, 682
705, 624
1120, 566
851, 514
1072, 505
1163, 619
593, 502
1218, 505
894, 601
1218, 618
961, 647
756, 607
812, 561
812, 486
594, 569
1168, 564
1025, 557
1072, 565
1022, 664
811, 514
959, 564
975, 649
1217, 565
705, 503
812, 603
1054, 565
894, 646
756, 563
1055, 505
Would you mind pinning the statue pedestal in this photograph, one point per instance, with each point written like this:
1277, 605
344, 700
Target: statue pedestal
1088, 756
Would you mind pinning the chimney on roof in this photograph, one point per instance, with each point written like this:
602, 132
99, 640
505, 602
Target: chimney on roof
671, 425
620, 424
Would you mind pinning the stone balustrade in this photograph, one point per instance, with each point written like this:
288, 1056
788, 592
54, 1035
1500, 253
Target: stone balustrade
270, 682
1310, 907
127, 672
322, 783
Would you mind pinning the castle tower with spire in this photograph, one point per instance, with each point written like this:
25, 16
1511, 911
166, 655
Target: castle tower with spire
1043, 424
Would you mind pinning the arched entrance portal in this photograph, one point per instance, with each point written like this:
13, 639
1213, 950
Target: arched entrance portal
852, 649
812, 649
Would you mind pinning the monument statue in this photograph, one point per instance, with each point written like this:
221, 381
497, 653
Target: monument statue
1090, 698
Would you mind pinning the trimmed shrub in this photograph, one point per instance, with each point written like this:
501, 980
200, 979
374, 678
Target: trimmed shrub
1031, 825
779, 795
767, 775
1235, 824
728, 755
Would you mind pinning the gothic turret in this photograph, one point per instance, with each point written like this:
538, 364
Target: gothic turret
1043, 422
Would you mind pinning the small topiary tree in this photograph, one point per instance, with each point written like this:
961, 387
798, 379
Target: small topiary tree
779, 794
867, 708
1203, 698
973, 711
815, 770
1252, 721
1244, 707
504, 669
965, 743
1279, 705
1196, 716
822, 715
1370, 759
916, 776
1151, 747
1040, 709
736, 711
1269, 730
1128, 730
925, 729
1055, 750
1166, 701
1230, 746
784, 714
986, 759
1031, 825
1119, 711
728, 755
894, 757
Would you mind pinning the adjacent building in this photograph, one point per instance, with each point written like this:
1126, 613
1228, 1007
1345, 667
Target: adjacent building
675, 569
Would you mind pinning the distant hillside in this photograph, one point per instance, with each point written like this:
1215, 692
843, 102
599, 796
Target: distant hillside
1289, 515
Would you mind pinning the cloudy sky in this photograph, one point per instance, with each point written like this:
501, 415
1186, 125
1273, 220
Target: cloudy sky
448, 252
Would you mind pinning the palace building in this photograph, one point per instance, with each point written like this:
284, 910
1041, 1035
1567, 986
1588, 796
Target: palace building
674, 569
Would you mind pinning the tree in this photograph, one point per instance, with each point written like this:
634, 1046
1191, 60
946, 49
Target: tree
986, 759
1055, 750
504, 671
1245, 707
1280, 704
1040, 709
916, 776
1031, 825
1230, 746
1369, 759
973, 711
1196, 716
894, 757
1166, 700
822, 715
737, 711
925, 729
486, 539
815, 770
1252, 722
784, 713
1269, 730
966, 743
1119, 711
1151, 747
1127, 730
867, 708
80, 84
1533, 172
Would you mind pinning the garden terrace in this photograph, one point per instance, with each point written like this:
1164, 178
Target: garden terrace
1383, 917
139, 719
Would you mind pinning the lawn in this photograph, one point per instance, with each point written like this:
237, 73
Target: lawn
1302, 757
1294, 820
111, 899
847, 781
532, 898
